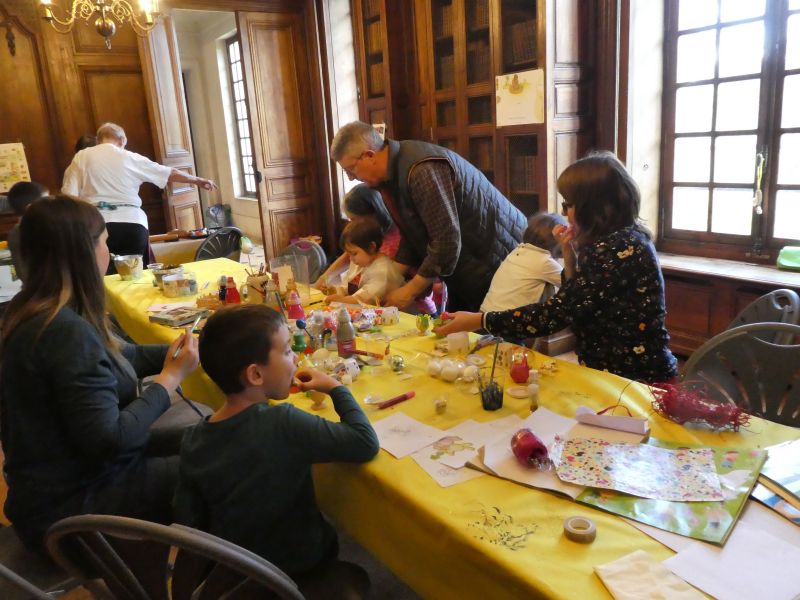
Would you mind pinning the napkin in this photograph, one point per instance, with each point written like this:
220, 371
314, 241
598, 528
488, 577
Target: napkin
638, 577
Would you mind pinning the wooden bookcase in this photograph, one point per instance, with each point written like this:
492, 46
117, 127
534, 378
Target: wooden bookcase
385, 67
439, 61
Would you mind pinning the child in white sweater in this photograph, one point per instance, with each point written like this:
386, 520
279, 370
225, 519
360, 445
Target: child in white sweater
371, 273
529, 271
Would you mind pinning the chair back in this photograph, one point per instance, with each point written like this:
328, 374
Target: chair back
25, 574
317, 259
140, 560
222, 243
778, 306
740, 366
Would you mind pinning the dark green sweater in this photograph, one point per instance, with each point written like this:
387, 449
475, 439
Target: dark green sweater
70, 415
248, 478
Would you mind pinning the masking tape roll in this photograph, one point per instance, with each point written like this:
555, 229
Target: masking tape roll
580, 529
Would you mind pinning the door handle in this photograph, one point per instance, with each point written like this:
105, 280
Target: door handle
259, 176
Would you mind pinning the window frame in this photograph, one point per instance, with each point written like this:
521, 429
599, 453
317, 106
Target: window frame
759, 246
244, 192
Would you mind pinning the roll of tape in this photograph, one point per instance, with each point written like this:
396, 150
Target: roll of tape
580, 529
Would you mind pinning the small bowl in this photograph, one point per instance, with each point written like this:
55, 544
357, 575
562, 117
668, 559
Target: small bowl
159, 274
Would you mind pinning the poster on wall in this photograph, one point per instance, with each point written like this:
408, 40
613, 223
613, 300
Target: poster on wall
520, 98
13, 166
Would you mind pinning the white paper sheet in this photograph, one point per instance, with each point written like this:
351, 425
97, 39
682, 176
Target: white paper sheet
431, 458
752, 564
155, 308
499, 458
477, 434
400, 435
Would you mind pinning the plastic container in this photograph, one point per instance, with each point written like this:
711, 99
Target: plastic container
164, 270
129, 266
183, 284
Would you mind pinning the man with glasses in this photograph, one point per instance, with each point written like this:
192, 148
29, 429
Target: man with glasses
455, 224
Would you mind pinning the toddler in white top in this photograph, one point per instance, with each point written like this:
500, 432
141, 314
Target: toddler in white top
527, 272
371, 271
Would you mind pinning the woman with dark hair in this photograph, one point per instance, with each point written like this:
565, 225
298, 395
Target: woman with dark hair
613, 291
74, 425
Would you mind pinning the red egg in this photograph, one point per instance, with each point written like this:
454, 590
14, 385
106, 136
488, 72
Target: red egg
529, 450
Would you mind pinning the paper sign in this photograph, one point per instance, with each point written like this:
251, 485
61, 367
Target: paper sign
13, 166
520, 98
620, 423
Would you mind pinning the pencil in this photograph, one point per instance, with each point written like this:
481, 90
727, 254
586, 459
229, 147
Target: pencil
180, 347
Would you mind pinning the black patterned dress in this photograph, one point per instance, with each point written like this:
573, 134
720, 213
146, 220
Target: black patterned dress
615, 306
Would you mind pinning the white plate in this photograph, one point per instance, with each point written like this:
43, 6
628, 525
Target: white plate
476, 359
518, 392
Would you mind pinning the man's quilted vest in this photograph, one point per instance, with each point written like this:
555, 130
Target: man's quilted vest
491, 226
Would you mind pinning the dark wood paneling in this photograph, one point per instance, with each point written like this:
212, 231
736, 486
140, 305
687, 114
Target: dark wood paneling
24, 105
700, 306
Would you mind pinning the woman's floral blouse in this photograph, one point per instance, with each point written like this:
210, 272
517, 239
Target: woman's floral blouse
615, 306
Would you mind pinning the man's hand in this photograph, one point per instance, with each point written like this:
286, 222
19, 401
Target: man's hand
401, 297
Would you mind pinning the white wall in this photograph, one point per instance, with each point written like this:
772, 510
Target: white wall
644, 102
201, 36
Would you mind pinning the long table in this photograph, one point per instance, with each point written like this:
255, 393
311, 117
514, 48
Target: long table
456, 542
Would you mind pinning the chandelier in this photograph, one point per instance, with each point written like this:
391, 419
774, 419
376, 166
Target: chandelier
109, 13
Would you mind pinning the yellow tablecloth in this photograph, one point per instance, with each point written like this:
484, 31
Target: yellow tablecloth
128, 301
455, 542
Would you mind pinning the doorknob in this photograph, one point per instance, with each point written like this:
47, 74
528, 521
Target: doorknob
259, 177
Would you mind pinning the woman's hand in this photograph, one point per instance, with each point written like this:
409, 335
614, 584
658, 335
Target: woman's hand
311, 379
460, 321
564, 235
181, 360
334, 298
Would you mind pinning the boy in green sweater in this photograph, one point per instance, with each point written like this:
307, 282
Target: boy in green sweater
245, 472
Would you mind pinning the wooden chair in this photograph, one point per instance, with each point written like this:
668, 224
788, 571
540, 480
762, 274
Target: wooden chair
129, 559
25, 574
742, 366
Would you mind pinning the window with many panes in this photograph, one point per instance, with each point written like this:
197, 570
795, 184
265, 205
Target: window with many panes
730, 181
241, 120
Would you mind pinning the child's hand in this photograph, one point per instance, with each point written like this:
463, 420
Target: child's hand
311, 379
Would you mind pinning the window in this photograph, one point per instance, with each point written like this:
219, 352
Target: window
730, 180
244, 149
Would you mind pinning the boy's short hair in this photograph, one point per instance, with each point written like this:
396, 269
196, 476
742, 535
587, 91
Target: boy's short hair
24, 193
363, 233
235, 337
540, 230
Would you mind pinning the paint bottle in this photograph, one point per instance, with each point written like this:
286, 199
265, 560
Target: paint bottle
231, 293
294, 308
345, 334
223, 287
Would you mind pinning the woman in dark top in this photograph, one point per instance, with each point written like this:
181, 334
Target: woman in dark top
613, 293
74, 425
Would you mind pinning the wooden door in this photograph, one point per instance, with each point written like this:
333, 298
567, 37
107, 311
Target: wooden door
170, 123
278, 85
